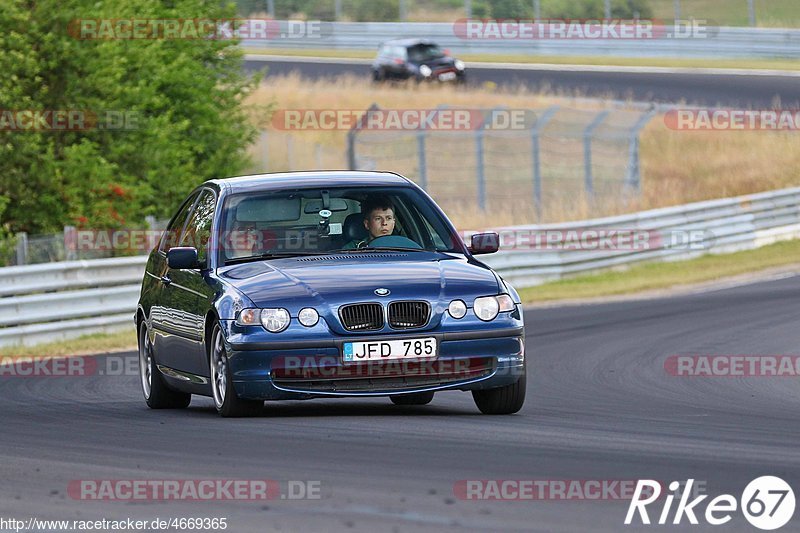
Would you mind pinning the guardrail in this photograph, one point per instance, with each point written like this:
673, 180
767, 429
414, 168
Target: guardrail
727, 42
55, 301
716, 226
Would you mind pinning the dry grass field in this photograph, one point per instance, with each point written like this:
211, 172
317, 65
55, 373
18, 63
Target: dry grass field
676, 166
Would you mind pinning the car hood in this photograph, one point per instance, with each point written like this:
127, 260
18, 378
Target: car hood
329, 281
439, 62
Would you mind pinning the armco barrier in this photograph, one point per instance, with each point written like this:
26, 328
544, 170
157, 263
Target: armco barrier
727, 42
56, 301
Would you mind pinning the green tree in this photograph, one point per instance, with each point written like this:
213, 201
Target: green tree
182, 99
511, 9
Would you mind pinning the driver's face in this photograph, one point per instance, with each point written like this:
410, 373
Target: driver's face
380, 222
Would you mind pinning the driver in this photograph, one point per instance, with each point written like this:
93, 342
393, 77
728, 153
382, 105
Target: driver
379, 220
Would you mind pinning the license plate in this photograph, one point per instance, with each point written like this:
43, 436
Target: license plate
447, 76
424, 348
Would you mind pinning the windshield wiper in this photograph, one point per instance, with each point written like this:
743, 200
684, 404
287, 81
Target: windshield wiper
268, 255
379, 249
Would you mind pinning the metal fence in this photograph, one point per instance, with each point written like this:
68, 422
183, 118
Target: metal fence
725, 42
50, 302
559, 155
336, 9
24, 249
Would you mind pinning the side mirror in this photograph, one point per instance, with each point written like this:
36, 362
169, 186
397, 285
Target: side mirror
484, 243
182, 257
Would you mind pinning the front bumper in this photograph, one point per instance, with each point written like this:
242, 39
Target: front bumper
302, 369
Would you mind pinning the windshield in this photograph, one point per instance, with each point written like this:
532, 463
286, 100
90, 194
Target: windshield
335, 220
424, 52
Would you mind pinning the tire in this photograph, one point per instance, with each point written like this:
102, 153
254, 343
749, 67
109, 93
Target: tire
502, 400
156, 392
417, 398
377, 76
228, 404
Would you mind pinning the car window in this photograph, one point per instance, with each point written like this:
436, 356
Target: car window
424, 52
295, 221
198, 230
174, 228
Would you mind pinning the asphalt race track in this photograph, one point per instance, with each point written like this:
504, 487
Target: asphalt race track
740, 91
600, 407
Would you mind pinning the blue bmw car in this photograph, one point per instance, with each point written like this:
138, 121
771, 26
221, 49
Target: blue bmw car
324, 284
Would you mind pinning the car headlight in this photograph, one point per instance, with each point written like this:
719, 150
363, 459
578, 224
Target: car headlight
425, 70
487, 307
308, 316
457, 309
459, 64
275, 320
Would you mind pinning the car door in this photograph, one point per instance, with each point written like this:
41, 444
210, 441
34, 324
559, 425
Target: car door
189, 295
164, 324
398, 67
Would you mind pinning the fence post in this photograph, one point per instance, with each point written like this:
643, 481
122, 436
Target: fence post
677, 7
468, 8
318, 155
751, 12
22, 248
423, 166
633, 177
70, 240
290, 151
607, 9
537, 10
587, 150
351, 137
536, 132
264, 143
480, 170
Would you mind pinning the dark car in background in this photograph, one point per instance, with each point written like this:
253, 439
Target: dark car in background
417, 59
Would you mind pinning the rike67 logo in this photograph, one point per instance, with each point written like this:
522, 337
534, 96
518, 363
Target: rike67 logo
767, 503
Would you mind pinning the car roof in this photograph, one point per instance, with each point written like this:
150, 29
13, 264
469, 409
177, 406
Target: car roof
407, 42
330, 178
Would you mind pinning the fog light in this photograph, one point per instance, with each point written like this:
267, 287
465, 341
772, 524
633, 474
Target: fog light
308, 316
457, 309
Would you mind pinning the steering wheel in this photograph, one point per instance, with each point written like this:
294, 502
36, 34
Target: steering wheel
393, 241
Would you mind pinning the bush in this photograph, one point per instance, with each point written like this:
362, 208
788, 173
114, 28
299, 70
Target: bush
373, 10
183, 97
595, 9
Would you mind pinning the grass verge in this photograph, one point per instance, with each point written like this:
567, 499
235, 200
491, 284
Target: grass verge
86, 344
764, 64
651, 276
